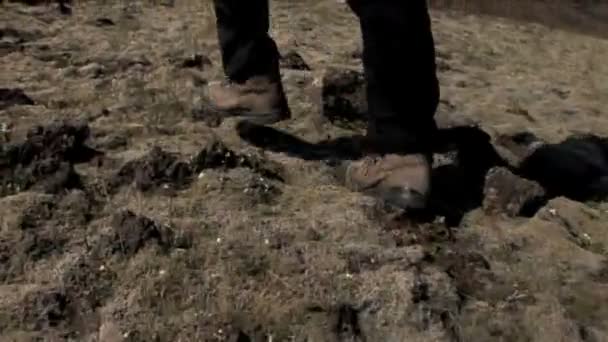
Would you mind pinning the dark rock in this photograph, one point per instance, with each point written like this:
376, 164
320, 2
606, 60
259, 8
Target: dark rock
293, 60
13, 97
197, 61
344, 96
507, 193
154, 170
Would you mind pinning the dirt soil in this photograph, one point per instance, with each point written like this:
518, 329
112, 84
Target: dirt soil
128, 213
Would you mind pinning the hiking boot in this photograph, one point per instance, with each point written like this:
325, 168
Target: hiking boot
401, 180
260, 100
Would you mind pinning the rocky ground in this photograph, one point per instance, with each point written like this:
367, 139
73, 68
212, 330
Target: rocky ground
128, 213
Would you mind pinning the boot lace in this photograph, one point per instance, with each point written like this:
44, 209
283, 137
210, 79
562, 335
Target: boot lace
368, 163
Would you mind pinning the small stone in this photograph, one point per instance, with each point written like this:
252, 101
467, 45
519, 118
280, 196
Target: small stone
507, 193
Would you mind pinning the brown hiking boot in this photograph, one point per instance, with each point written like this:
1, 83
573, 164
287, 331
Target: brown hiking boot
402, 180
259, 100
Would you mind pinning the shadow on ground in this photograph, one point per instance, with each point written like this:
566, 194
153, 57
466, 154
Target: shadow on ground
576, 168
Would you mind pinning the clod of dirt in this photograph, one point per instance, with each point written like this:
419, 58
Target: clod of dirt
506, 193
45, 309
208, 116
293, 60
133, 232
468, 269
576, 168
156, 169
160, 169
39, 226
217, 155
260, 190
49, 223
63, 139
13, 97
344, 96
104, 22
44, 161
196, 61
88, 284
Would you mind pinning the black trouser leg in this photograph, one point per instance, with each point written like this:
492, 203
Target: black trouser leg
399, 63
247, 49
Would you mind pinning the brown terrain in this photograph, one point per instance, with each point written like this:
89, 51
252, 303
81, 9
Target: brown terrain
129, 213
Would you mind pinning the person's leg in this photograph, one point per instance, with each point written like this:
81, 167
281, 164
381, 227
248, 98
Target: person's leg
251, 63
247, 49
399, 62
403, 93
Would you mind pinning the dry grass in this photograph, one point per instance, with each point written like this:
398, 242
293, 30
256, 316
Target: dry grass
309, 263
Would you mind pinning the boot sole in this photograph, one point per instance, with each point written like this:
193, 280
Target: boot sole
256, 118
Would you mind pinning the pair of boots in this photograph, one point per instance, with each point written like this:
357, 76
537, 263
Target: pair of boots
402, 180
